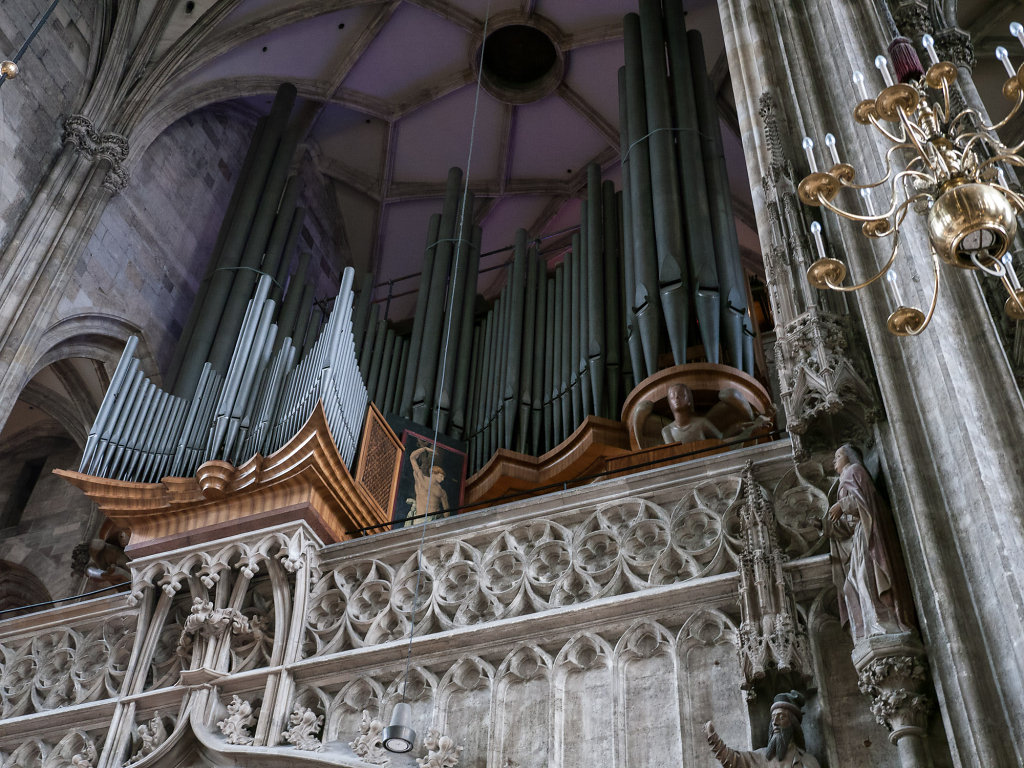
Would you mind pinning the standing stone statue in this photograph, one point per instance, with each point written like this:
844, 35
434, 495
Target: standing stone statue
871, 596
785, 744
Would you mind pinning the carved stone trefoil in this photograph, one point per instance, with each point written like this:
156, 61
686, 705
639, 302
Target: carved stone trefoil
770, 636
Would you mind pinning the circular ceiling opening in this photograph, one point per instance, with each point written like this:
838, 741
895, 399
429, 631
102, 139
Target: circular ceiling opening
520, 64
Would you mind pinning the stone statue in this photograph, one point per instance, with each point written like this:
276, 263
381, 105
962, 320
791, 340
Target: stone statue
103, 559
686, 426
872, 599
731, 418
785, 745
431, 497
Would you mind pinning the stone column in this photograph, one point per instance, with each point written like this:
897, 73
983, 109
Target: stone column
951, 450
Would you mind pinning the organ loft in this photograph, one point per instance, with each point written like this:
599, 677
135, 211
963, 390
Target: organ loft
511, 383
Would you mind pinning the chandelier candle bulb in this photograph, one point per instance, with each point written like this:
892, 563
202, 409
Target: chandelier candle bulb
1004, 56
1017, 30
830, 142
808, 146
858, 80
818, 243
929, 45
882, 64
866, 194
894, 288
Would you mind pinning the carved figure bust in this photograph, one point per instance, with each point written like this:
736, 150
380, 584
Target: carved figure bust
785, 744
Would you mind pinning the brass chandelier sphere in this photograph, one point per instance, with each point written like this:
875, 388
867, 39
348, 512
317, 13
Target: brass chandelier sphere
971, 225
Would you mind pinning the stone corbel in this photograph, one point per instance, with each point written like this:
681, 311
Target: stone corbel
80, 132
892, 670
912, 18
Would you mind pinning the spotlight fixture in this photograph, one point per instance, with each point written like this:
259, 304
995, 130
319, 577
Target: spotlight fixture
944, 166
399, 736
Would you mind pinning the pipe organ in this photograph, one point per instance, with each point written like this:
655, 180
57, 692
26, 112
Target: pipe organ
652, 271
570, 337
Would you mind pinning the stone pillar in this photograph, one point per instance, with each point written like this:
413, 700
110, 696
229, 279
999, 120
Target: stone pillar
891, 670
950, 450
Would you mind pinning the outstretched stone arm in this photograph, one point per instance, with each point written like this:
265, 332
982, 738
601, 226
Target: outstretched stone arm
727, 757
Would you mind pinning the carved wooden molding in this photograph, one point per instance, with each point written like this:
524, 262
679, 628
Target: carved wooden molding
583, 453
305, 479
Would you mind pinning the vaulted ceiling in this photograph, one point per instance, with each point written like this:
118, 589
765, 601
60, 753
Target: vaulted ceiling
392, 87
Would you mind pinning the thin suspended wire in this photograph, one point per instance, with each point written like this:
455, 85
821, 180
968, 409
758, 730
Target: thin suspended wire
31, 37
444, 354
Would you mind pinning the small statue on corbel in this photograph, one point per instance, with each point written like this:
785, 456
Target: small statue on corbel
874, 598
149, 735
785, 745
103, 559
732, 417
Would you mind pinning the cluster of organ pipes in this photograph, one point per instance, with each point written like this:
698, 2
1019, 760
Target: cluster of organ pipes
646, 266
142, 433
682, 256
564, 340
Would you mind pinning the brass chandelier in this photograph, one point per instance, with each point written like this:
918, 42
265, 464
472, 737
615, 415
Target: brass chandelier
951, 174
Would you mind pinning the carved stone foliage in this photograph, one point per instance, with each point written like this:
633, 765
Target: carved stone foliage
65, 666
912, 18
891, 670
77, 749
441, 751
206, 621
304, 726
368, 745
237, 725
111, 147
533, 566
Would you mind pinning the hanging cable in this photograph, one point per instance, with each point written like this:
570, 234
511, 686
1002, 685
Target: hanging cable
399, 735
6, 71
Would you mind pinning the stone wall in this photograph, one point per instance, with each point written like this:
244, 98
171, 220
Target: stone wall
150, 250
55, 518
54, 74
151, 246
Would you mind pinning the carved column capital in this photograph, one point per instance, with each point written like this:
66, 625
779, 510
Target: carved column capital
955, 45
79, 131
892, 670
912, 18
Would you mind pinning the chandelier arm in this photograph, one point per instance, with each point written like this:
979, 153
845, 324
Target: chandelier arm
1012, 113
885, 132
935, 298
977, 137
910, 130
1015, 199
947, 108
870, 280
888, 172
